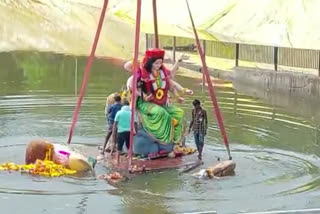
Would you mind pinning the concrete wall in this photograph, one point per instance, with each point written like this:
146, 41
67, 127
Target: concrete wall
287, 83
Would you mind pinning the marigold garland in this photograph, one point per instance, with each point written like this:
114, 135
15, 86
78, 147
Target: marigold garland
40, 167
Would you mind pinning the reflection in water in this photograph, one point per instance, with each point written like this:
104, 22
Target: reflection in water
83, 204
274, 142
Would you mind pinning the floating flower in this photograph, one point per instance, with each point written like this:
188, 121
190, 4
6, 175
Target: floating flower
40, 167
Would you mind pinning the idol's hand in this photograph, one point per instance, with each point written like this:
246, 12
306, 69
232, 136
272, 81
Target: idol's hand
149, 97
182, 57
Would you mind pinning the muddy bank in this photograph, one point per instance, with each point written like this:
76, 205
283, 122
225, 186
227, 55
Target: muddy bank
63, 27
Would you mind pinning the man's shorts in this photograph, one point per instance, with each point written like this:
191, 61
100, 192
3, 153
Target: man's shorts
123, 137
110, 127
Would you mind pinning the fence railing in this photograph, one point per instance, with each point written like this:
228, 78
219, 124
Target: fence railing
276, 56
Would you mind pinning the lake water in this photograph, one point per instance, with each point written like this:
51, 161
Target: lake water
275, 146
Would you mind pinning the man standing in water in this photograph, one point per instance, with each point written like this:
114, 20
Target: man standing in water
112, 111
121, 128
199, 125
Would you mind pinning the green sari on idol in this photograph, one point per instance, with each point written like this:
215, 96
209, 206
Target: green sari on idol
163, 122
